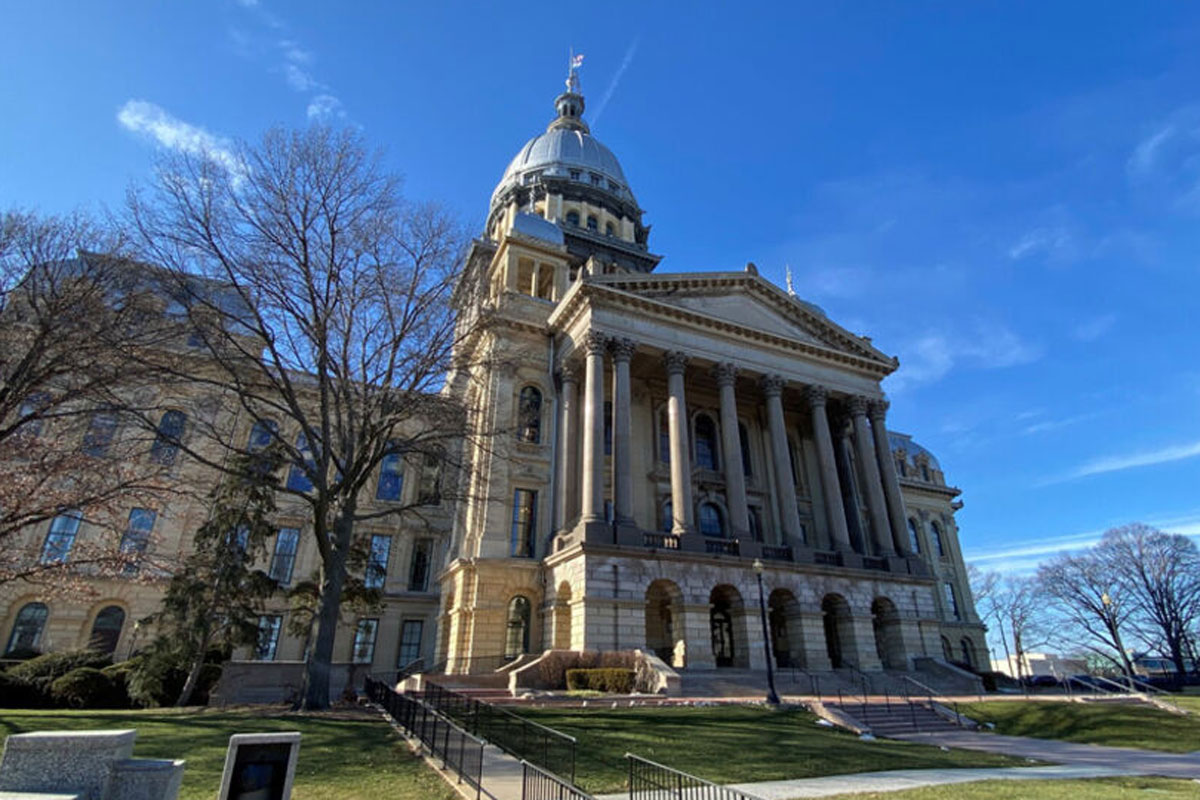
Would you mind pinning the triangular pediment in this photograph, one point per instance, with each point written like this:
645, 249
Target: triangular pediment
748, 301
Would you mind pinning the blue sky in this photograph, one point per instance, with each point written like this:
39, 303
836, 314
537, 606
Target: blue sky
1005, 195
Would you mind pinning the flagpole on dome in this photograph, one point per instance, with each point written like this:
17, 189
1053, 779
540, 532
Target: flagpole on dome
574, 63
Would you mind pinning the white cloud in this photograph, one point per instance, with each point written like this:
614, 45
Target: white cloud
612, 85
1145, 156
298, 79
1092, 329
931, 356
324, 106
1055, 243
148, 119
1118, 463
248, 3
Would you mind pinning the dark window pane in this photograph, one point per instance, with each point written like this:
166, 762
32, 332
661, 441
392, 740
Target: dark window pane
99, 434
167, 438
744, 441
524, 523
377, 562
529, 415
268, 637
710, 520
61, 537
106, 630
418, 571
706, 442
391, 477
410, 642
27, 629
298, 476
283, 559
516, 638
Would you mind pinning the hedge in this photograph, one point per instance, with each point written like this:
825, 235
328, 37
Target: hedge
605, 679
88, 687
42, 671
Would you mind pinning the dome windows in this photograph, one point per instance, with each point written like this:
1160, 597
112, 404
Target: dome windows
610, 229
573, 218
593, 224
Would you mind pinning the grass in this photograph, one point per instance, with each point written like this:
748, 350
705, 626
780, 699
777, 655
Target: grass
1092, 789
1115, 725
342, 756
728, 744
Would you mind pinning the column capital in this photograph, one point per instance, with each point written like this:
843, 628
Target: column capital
725, 373
877, 410
816, 395
675, 361
622, 348
568, 372
857, 406
772, 385
595, 343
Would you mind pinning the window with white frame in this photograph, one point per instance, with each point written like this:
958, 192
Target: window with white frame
364, 641
283, 558
269, 626
377, 561
410, 642
61, 537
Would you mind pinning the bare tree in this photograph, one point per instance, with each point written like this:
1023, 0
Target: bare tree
68, 307
1159, 575
1014, 604
1085, 593
321, 302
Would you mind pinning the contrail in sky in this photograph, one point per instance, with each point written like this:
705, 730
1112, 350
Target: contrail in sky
612, 87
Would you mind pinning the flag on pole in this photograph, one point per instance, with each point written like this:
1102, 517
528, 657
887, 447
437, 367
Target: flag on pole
577, 61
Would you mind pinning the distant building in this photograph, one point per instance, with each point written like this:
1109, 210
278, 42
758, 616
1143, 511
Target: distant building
1041, 664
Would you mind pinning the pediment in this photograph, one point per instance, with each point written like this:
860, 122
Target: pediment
752, 303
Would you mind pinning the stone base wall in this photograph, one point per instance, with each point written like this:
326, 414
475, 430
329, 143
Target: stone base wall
280, 681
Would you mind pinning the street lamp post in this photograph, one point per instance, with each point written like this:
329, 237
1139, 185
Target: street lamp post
772, 697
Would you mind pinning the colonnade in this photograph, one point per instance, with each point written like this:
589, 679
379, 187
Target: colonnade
866, 418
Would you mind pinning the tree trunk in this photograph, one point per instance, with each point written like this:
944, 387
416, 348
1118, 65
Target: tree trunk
317, 670
189, 686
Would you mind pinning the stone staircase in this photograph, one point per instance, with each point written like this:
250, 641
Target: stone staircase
896, 717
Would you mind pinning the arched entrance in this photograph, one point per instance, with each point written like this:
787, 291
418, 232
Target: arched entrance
839, 631
516, 634
726, 617
889, 638
562, 617
782, 617
966, 651
664, 622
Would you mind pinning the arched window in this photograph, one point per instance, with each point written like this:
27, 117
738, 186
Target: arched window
706, 442
516, 634
166, 439
610, 229
593, 224
964, 647
106, 630
744, 441
939, 546
298, 476
664, 436
529, 415
711, 523
27, 629
914, 541
666, 522
573, 218
947, 652
391, 474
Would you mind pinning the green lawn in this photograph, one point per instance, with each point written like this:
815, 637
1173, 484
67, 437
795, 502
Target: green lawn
1115, 725
342, 756
1093, 789
729, 744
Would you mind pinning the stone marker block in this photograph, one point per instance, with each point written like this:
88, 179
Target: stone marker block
146, 779
260, 766
64, 761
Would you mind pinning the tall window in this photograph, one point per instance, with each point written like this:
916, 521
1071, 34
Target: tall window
377, 562
27, 629
136, 538
939, 545
364, 641
106, 630
262, 434
283, 559
431, 480
516, 629
706, 442
964, 646
410, 642
666, 521
608, 428
914, 541
664, 437
529, 415
593, 224
793, 461
418, 568
298, 476
524, 523
756, 523
391, 475
268, 637
951, 600
744, 441
61, 537
711, 523
31, 407
102, 426
167, 438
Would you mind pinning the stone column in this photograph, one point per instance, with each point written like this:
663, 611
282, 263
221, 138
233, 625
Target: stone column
789, 515
593, 429
831, 490
881, 529
568, 448
622, 352
877, 411
859, 538
735, 476
681, 468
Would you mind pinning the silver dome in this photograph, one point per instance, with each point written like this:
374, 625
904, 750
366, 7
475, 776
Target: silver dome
902, 442
557, 152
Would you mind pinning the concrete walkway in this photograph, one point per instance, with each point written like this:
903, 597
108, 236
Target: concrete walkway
898, 780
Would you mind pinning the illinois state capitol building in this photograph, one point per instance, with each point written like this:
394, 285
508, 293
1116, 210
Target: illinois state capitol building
670, 429
660, 433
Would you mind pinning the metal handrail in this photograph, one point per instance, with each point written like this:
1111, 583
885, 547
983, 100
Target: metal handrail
653, 781
538, 783
925, 689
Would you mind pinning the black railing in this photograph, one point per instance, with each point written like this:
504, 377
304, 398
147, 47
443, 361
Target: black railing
727, 547
660, 541
649, 780
512, 733
875, 562
458, 750
538, 784
773, 552
828, 558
